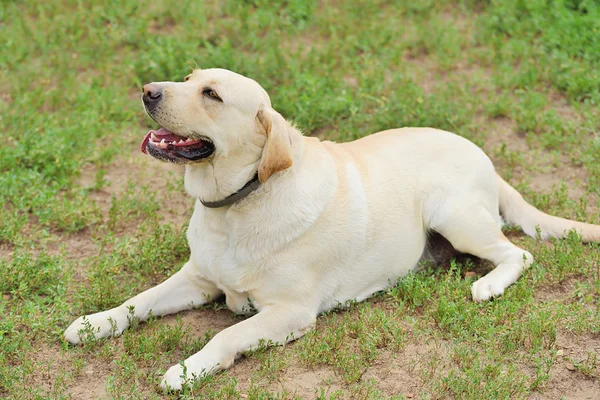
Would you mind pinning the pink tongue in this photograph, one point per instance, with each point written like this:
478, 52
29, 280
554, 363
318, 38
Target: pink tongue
162, 133
145, 142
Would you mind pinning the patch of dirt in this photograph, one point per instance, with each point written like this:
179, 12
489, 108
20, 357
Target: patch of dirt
5, 98
301, 45
6, 251
546, 172
350, 81
88, 383
502, 131
141, 170
393, 373
200, 321
304, 382
398, 373
568, 388
563, 108
432, 78
75, 246
91, 381
577, 346
296, 379
575, 178
165, 27
557, 292
541, 172
321, 132
566, 382
91, 384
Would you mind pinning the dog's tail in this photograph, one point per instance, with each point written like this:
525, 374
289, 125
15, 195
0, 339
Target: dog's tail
517, 211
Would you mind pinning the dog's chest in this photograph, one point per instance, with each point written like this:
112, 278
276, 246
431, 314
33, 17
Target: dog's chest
215, 251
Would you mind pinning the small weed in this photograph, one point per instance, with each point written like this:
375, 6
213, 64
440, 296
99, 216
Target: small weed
590, 366
87, 335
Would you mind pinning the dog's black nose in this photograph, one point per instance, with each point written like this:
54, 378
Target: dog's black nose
152, 94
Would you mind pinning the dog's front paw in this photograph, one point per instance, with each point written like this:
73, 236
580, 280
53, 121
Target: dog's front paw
96, 326
486, 288
174, 378
185, 373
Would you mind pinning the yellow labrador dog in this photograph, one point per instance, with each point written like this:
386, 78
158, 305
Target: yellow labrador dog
290, 226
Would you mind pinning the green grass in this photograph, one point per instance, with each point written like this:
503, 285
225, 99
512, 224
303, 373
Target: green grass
520, 78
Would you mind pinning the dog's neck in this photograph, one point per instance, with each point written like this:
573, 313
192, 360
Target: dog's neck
207, 182
212, 182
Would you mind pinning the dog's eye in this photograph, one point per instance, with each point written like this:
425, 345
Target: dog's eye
187, 78
212, 94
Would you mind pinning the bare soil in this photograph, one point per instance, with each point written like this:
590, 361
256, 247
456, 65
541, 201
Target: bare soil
566, 382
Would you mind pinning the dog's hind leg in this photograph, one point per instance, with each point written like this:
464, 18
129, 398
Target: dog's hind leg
183, 291
473, 229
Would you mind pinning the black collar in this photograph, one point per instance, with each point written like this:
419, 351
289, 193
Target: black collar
248, 188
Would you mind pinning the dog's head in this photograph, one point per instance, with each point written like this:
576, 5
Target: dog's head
216, 116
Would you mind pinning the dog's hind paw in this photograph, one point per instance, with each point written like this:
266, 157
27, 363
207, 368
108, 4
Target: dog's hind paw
486, 288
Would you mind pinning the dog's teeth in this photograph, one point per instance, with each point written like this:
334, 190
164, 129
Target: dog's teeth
162, 141
188, 140
153, 136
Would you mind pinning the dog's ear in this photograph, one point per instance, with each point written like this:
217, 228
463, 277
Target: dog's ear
277, 153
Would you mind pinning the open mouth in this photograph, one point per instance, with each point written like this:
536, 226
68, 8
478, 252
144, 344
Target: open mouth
168, 146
